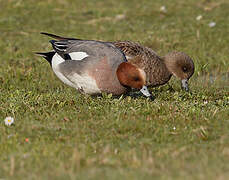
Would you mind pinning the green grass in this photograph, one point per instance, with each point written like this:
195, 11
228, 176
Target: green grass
72, 136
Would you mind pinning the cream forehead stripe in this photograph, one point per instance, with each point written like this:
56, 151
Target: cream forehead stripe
78, 56
143, 74
128, 57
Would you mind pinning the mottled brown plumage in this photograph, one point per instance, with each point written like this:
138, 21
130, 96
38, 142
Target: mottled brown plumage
158, 69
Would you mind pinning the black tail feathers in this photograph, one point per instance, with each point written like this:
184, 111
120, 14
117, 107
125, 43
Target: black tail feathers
47, 55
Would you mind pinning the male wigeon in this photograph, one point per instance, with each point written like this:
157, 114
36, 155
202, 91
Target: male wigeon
158, 69
93, 67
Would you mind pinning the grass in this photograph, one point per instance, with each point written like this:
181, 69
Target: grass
72, 136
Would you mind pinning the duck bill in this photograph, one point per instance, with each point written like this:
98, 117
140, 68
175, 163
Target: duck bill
144, 90
184, 84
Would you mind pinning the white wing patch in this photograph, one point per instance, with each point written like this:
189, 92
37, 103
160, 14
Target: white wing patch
78, 56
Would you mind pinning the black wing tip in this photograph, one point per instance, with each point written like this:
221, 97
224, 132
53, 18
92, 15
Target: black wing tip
44, 33
52, 35
48, 34
58, 37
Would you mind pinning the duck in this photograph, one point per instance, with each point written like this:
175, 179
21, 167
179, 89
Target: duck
94, 67
159, 70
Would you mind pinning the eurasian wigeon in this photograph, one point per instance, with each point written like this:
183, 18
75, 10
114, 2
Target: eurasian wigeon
94, 67
158, 69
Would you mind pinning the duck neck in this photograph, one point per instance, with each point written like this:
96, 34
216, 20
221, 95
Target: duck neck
158, 73
166, 64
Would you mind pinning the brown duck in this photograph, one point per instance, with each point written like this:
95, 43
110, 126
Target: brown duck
158, 69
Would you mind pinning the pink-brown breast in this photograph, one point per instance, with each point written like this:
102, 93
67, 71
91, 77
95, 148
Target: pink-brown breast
105, 77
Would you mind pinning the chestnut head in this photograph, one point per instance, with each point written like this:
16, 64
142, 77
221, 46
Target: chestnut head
131, 76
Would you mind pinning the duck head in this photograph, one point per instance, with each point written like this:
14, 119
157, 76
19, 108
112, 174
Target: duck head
130, 75
180, 65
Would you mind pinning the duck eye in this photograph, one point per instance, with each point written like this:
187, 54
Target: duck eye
136, 79
184, 69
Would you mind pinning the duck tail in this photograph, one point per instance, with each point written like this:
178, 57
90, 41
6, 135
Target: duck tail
47, 55
58, 37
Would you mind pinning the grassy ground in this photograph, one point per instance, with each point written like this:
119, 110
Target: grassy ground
61, 134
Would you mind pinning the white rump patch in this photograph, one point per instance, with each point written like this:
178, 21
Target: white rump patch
78, 56
56, 60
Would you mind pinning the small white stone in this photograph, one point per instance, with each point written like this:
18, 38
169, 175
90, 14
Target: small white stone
199, 17
211, 24
174, 128
9, 136
205, 102
163, 9
120, 16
